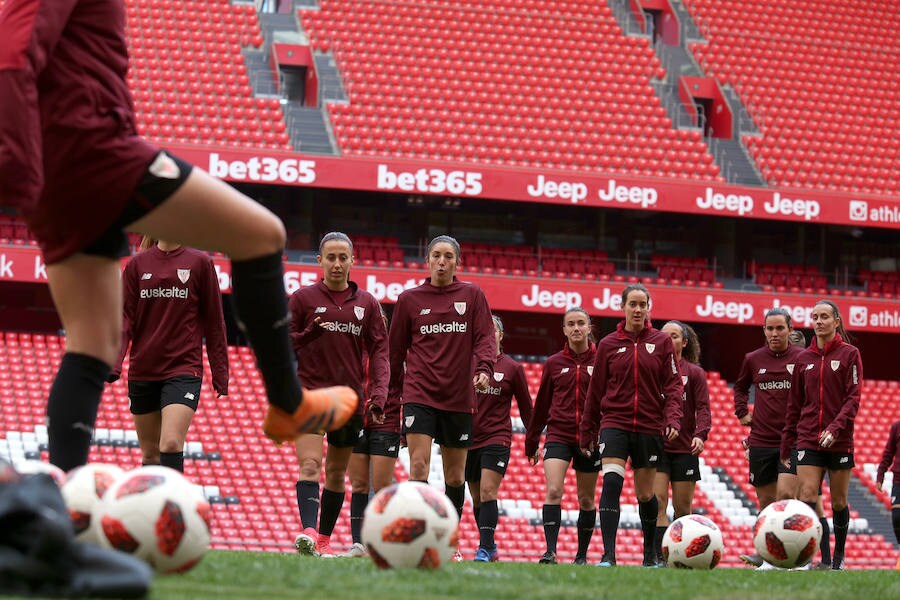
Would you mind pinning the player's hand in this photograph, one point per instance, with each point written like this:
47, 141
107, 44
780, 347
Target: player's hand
376, 412
746, 420
697, 446
671, 433
787, 463
826, 439
318, 321
534, 458
480, 381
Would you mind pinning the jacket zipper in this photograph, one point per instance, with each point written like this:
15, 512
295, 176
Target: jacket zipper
821, 386
577, 389
634, 416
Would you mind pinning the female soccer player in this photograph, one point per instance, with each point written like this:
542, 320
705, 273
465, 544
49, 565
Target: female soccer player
488, 456
823, 403
172, 302
443, 333
680, 462
636, 389
72, 162
890, 459
377, 448
558, 405
332, 323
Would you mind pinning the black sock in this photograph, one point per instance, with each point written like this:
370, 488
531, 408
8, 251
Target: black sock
895, 521
457, 495
261, 310
658, 538
173, 460
841, 520
476, 510
487, 523
648, 511
552, 515
308, 503
332, 502
586, 521
609, 512
72, 408
825, 543
358, 503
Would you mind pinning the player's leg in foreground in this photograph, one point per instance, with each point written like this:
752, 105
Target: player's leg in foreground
661, 489
839, 483
309, 457
551, 513
207, 213
613, 480
487, 515
647, 509
454, 463
358, 470
336, 461
586, 486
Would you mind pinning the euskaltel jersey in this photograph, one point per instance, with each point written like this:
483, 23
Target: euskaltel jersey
491, 424
890, 458
70, 155
696, 420
171, 303
330, 351
825, 391
445, 335
635, 386
771, 373
560, 398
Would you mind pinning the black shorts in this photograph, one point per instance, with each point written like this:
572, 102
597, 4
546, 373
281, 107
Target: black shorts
895, 491
567, 452
378, 443
679, 466
833, 461
147, 397
348, 435
644, 449
159, 182
766, 465
494, 457
451, 429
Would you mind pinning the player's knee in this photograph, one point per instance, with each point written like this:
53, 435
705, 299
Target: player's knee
645, 496
358, 486
586, 503
171, 443
310, 469
418, 469
272, 237
554, 494
838, 503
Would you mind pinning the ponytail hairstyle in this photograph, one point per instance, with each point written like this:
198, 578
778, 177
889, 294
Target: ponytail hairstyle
147, 242
837, 315
636, 287
780, 311
335, 236
446, 239
498, 323
572, 309
690, 350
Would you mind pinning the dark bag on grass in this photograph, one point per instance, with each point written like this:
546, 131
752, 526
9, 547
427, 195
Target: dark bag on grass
38, 552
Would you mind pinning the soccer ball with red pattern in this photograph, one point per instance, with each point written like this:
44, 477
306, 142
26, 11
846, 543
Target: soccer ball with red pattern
410, 525
83, 490
693, 542
155, 514
787, 534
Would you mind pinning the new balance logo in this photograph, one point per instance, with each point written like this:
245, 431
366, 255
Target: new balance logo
392, 448
845, 459
501, 464
621, 350
319, 310
146, 276
189, 396
464, 437
425, 311
653, 458
689, 472
761, 371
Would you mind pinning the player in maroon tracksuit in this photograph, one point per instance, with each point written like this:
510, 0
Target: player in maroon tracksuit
72, 162
488, 456
636, 389
679, 464
443, 332
332, 323
890, 460
171, 303
823, 402
558, 405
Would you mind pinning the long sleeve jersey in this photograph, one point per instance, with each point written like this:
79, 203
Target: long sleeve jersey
491, 424
890, 458
696, 420
171, 303
771, 373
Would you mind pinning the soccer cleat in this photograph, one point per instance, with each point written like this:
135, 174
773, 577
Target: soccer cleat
837, 564
821, 566
485, 555
457, 556
321, 410
549, 558
767, 567
897, 566
580, 560
754, 560
305, 543
607, 561
356, 550
650, 563
323, 547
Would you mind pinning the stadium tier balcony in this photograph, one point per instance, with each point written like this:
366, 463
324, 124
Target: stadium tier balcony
556, 85
818, 79
783, 277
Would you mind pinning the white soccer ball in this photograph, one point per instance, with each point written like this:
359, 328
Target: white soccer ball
155, 514
693, 542
32, 466
82, 491
787, 534
410, 525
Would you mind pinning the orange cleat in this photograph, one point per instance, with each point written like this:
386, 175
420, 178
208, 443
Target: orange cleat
321, 410
897, 566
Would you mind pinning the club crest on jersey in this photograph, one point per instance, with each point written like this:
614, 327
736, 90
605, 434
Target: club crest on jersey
650, 348
460, 307
835, 364
790, 368
498, 377
184, 275
360, 312
590, 369
684, 380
